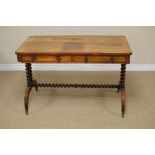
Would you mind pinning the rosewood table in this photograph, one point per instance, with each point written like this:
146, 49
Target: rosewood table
75, 49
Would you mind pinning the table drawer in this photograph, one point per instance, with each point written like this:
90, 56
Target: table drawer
40, 58
78, 59
64, 59
99, 59
108, 59
120, 59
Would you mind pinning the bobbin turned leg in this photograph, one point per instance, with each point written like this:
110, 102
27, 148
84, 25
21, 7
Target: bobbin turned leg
29, 85
122, 88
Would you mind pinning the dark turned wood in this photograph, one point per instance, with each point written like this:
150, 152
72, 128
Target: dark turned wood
63, 85
30, 83
29, 77
122, 88
122, 75
35, 84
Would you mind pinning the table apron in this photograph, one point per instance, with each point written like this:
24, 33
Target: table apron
74, 59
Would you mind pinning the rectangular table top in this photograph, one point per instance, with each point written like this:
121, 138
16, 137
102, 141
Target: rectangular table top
74, 49
72, 45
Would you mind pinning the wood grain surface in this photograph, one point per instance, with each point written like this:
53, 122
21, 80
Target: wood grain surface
75, 44
78, 49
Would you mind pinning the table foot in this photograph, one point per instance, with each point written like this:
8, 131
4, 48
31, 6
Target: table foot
26, 99
123, 99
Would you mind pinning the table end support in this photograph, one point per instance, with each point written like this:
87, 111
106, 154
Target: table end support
123, 99
122, 88
29, 79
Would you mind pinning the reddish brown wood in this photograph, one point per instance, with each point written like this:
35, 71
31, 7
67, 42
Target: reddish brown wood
26, 98
123, 100
29, 77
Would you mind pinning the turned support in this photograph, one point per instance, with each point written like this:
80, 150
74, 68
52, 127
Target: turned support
33, 83
29, 79
122, 88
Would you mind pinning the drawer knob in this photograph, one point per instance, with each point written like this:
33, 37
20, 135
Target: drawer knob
33, 57
58, 58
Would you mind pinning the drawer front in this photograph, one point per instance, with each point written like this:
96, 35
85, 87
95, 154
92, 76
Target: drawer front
64, 59
120, 59
99, 59
26, 59
42, 58
78, 59
39, 59
108, 59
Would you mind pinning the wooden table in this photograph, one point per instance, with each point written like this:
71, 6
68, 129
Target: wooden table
75, 49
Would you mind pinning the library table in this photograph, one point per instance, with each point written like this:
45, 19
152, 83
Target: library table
75, 49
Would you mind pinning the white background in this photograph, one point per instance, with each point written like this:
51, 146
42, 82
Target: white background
77, 142
77, 12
